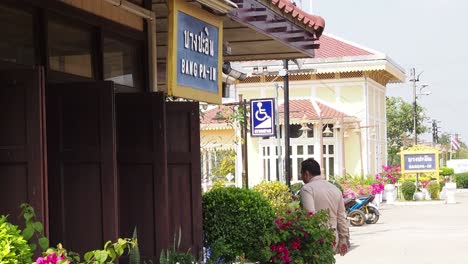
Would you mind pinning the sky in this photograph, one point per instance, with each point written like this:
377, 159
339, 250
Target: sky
429, 35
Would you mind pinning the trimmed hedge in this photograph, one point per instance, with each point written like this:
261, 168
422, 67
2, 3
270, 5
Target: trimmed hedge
408, 189
434, 190
233, 221
446, 171
462, 180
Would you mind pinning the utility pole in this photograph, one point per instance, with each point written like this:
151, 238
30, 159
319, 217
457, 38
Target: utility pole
287, 161
415, 106
435, 132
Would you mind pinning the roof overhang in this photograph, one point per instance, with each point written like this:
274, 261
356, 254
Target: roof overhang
379, 62
271, 29
255, 30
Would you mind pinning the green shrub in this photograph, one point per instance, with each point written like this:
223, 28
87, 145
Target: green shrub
434, 190
441, 185
446, 171
276, 193
462, 180
14, 248
234, 220
408, 189
295, 188
413, 179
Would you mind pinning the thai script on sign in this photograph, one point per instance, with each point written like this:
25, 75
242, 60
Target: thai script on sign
420, 159
200, 43
420, 162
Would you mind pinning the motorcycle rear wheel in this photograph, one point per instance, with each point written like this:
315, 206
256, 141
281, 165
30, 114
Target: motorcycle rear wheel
375, 217
358, 218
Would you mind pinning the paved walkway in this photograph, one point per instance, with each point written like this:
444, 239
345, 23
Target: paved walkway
413, 234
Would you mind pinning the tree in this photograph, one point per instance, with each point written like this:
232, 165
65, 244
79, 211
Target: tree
400, 126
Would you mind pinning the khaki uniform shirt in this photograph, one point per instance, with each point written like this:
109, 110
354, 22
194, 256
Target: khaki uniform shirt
318, 195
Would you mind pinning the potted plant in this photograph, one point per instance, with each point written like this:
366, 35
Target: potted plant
389, 176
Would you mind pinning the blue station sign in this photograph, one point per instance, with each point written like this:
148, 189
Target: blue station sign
420, 162
197, 54
194, 53
262, 117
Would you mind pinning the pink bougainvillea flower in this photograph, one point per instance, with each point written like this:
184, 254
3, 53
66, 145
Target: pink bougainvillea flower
40, 260
310, 214
50, 259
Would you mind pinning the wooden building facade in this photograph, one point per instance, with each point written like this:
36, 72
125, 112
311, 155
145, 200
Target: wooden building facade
87, 138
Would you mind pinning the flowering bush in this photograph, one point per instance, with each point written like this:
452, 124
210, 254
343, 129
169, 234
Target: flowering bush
110, 254
276, 193
377, 188
389, 174
356, 185
349, 193
53, 258
301, 237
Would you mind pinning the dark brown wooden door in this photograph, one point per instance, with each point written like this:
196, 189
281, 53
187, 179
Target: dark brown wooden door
142, 171
184, 175
82, 164
22, 157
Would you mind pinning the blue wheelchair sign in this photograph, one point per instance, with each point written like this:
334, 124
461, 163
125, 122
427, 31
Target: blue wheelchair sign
262, 117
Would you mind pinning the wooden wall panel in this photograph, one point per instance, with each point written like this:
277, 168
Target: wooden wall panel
22, 157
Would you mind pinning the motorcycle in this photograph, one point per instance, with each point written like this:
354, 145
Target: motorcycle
360, 210
370, 210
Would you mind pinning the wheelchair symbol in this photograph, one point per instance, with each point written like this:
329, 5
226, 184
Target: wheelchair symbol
261, 114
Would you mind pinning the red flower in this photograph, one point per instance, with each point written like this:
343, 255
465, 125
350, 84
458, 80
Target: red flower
296, 244
310, 214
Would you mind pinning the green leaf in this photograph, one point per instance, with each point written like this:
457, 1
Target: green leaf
32, 246
28, 232
112, 254
28, 215
44, 243
88, 256
106, 246
100, 256
38, 226
119, 250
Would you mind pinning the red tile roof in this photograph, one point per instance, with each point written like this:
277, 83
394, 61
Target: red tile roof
297, 110
216, 115
315, 22
300, 108
331, 47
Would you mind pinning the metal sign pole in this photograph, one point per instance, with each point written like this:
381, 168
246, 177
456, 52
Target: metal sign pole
287, 161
